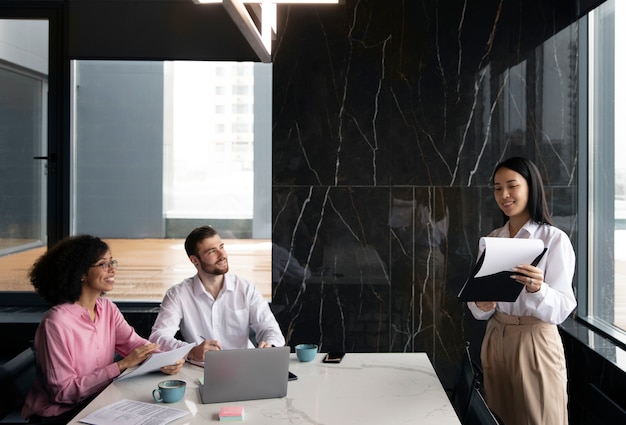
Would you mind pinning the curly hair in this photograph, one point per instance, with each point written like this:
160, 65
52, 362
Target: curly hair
57, 274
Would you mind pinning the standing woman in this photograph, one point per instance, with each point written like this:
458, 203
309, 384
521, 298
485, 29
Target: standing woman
522, 355
78, 337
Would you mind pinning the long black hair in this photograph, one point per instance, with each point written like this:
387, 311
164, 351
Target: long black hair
537, 204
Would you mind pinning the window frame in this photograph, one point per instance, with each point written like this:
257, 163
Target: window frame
596, 148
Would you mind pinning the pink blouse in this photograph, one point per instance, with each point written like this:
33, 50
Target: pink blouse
75, 355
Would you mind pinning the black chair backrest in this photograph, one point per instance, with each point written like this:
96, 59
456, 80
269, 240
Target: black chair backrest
478, 413
467, 381
16, 377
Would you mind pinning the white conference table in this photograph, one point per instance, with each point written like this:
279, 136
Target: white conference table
365, 388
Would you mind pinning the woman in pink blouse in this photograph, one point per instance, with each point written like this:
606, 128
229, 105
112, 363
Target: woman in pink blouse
78, 338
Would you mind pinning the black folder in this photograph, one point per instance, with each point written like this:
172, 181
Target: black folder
494, 287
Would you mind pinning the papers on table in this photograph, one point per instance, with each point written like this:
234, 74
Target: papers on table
130, 412
491, 278
157, 361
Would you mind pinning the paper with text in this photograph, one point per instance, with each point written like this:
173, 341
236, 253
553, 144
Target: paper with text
130, 412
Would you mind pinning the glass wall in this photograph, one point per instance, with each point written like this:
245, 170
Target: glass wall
23, 141
162, 147
158, 148
606, 306
174, 143
210, 169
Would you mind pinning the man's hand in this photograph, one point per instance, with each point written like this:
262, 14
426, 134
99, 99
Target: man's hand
173, 369
264, 344
197, 352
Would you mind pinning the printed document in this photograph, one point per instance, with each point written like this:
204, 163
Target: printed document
130, 412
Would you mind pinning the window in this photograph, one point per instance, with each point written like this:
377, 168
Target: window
240, 90
22, 179
146, 132
147, 165
241, 108
163, 145
243, 72
23, 135
605, 302
240, 127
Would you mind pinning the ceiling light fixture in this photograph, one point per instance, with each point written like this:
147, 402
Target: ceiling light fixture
265, 11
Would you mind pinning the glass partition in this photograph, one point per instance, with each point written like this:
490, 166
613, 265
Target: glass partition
23, 105
160, 147
23, 146
606, 262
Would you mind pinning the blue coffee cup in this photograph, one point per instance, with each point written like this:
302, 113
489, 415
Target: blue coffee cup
306, 352
169, 391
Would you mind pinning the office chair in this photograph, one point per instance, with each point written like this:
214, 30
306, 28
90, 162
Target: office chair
467, 381
16, 377
478, 413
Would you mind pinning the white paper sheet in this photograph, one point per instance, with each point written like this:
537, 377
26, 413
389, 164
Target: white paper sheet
502, 254
130, 412
157, 361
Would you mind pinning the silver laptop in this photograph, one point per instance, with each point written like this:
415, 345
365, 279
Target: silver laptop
246, 374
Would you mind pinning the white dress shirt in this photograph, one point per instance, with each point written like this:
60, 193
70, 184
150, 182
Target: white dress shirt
555, 300
229, 318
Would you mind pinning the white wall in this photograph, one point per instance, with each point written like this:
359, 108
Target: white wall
25, 43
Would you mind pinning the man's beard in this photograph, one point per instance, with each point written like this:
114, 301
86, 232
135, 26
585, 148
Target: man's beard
214, 269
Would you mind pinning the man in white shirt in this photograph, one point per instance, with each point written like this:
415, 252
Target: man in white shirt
214, 309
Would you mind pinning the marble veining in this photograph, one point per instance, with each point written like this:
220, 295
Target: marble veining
365, 388
388, 118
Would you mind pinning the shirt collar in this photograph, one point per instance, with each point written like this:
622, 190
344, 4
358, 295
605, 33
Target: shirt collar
529, 228
79, 310
198, 287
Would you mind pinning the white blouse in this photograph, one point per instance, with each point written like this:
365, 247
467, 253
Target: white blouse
555, 300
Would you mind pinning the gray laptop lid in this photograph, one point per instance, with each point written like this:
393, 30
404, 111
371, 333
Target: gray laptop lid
246, 374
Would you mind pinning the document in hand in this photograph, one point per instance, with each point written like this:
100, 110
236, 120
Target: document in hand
157, 361
491, 278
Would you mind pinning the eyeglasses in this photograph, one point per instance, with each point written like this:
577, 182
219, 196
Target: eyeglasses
107, 265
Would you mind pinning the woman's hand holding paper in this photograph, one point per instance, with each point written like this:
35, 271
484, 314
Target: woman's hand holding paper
530, 276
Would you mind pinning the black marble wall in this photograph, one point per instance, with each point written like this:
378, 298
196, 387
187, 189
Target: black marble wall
389, 117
